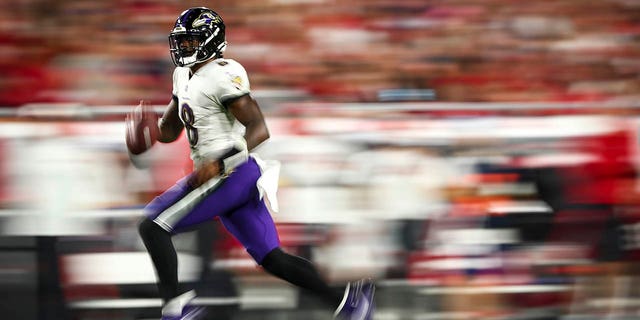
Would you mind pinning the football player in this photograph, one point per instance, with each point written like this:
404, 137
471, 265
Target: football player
212, 102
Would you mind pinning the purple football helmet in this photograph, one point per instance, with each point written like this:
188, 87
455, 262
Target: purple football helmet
197, 36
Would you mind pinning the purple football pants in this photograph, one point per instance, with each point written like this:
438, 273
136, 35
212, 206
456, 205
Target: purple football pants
234, 199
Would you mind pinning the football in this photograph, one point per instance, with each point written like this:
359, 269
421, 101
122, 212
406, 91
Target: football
141, 129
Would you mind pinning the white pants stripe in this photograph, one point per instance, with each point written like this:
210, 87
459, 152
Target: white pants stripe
172, 215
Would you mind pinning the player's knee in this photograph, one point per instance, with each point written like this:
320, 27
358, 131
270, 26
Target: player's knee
273, 259
147, 228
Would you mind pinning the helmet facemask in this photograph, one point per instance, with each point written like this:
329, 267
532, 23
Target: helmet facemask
186, 48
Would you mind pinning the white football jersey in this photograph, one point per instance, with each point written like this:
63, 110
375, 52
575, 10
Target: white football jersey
211, 129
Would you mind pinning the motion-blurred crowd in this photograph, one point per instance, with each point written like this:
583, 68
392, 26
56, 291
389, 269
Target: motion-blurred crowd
494, 50
475, 209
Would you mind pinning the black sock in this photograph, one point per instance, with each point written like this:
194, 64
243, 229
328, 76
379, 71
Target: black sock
301, 273
164, 257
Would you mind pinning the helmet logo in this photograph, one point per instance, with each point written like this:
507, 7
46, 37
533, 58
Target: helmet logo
205, 18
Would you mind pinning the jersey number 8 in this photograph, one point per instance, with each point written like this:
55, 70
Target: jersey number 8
188, 119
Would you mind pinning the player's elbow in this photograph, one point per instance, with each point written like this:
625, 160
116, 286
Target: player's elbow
260, 139
256, 136
265, 135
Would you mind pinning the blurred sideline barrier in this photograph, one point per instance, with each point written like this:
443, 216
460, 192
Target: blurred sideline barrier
274, 105
322, 146
448, 205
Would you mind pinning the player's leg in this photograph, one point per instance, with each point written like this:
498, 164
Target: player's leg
158, 240
300, 272
253, 226
165, 261
179, 209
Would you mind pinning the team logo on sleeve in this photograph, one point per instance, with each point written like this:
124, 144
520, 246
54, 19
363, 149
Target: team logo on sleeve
236, 80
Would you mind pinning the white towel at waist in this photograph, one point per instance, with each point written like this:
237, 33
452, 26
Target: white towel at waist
268, 182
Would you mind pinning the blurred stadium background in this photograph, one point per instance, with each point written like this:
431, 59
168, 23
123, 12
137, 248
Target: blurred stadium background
477, 158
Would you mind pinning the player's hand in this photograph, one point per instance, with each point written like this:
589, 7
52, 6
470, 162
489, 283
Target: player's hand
205, 173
